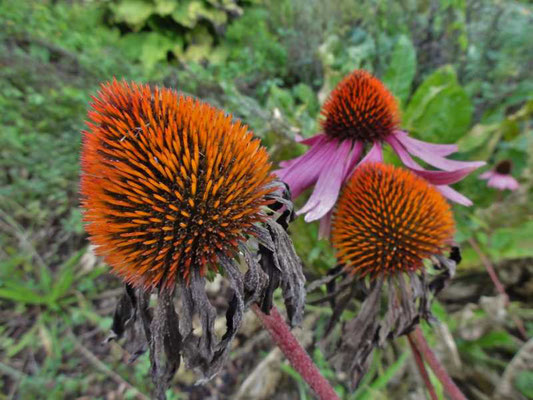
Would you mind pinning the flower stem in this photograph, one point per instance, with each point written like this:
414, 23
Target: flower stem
447, 383
297, 356
422, 369
498, 284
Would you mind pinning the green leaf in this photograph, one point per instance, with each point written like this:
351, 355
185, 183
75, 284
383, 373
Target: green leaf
155, 48
524, 383
402, 67
477, 137
22, 294
165, 7
440, 110
66, 277
133, 12
384, 378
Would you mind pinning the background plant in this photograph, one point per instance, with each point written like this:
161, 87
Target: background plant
461, 69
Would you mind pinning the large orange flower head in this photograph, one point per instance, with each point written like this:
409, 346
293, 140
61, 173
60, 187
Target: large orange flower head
168, 183
360, 108
389, 220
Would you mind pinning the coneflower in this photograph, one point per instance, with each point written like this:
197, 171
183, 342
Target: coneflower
500, 176
388, 226
175, 191
361, 113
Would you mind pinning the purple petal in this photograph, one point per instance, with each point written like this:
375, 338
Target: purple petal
443, 177
438, 149
375, 155
352, 160
425, 152
433, 177
324, 228
302, 172
454, 195
313, 140
503, 182
298, 138
328, 184
486, 175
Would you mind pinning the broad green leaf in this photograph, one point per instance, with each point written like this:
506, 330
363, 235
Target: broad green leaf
189, 12
477, 136
440, 110
154, 48
133, 12
431, 86
183, 16
165, 7
402, 67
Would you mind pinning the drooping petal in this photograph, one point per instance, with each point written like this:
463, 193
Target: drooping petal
425, 151
304, 171
324, 228
352, 160
454, 195
503, 182
313, 139
486, 175
328, 184
438, 149
374, 155
433, 177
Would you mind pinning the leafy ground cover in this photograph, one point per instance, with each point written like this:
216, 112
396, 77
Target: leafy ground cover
462, 72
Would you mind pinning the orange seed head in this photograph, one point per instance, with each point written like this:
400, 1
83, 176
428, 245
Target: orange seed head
360, 108
167, 182
389, 220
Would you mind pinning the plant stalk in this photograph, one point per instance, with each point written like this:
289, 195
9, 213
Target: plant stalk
297, 356
498, 284
423, 347
422, 369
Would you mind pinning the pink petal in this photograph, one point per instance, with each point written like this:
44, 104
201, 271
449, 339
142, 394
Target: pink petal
438, 149
454, 195
352, 160
433, 177
312, 140
503, 182
303, 171
328, 184
298, 138
425, 152
324, 228
486, 175
374, 155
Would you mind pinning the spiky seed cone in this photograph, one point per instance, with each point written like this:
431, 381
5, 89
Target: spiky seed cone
167, 182
389, 220
360, 108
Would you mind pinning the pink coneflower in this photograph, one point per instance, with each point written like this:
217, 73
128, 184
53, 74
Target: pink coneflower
500, 176
361, 112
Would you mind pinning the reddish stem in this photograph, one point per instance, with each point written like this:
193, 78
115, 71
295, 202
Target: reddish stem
447, 383
422, 369
498, 284
490, 269
297, 356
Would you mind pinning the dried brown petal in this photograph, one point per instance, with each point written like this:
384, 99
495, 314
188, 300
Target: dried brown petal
167, 330
408, 298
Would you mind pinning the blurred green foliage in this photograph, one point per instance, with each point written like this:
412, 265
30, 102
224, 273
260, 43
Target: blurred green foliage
460, 69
